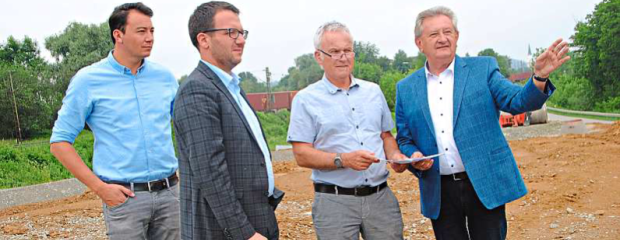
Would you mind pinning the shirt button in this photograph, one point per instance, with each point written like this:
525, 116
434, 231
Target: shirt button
366, 179
353, 109
446, 149
451, 165
357, 127
362, 143
442, 131
440, 82
440, 98
347, 94
442, 114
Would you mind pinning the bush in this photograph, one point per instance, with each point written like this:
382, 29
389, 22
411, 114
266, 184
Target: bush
275, 127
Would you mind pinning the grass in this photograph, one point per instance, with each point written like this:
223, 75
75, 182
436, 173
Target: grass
583, 116
32, 163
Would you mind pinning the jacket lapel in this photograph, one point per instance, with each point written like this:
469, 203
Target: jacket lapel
204, 69
461, 72
421, 90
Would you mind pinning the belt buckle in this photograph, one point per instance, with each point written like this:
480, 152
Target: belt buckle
148, 184
456, 178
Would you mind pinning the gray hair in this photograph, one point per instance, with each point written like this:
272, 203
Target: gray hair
433, 12
332, 26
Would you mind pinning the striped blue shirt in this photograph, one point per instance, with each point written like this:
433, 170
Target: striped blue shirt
129, 116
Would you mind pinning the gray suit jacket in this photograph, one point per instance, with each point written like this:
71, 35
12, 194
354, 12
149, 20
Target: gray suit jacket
224, 184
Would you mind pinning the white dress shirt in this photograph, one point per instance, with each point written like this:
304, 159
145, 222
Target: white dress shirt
441, 103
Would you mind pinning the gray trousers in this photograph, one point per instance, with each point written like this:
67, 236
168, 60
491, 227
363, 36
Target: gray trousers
376, 216
148, 215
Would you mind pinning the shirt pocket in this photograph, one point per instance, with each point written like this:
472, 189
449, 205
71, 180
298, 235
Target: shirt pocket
332, 120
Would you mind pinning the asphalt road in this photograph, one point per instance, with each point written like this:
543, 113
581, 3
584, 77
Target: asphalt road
553, 117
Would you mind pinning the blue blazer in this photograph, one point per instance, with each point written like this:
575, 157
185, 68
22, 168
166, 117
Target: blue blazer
480, 92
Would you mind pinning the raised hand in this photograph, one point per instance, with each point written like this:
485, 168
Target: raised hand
551, 59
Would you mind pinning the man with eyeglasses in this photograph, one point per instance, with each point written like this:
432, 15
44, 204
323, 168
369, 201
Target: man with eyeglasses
340, 128
227, 184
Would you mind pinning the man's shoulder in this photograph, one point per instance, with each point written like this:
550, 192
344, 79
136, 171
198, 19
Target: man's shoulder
312, 90
92, 71
158, 69
480, 60
411, 77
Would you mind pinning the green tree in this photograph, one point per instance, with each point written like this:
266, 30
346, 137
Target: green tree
78, 46
25, 85
365, 52
368, 71
305, 72
598, 52
502, 61
402, 62
250, 83
388, 86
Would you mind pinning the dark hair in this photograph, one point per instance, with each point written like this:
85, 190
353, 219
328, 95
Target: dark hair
118, 19
202, 18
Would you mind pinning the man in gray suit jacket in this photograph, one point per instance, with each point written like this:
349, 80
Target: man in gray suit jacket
227, 187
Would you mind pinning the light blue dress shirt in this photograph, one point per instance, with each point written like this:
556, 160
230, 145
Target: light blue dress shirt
232, 84
340, 121
129, 116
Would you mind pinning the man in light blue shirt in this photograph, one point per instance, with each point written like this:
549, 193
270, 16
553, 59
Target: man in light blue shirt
127, 102
340, 128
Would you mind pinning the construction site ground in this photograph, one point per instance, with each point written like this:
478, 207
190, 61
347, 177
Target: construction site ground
574, 193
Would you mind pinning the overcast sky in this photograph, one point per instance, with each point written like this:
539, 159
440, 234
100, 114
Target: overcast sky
282, 30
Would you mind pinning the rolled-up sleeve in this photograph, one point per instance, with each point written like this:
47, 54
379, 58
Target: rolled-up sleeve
76, 107
301, 127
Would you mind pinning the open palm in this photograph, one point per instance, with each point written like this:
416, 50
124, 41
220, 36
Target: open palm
551, 59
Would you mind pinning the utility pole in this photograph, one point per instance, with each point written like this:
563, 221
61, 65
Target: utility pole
269, 94
19, 129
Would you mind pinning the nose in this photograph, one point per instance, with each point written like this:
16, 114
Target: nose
240, 39
150, 36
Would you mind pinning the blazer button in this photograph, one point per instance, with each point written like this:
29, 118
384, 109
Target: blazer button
266, 194
262, 164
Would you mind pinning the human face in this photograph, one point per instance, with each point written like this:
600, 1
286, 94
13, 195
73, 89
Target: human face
224, 51
138, 39
438, 40
335, 43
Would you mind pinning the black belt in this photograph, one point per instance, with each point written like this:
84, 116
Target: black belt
359, 192
455, 177
151, 186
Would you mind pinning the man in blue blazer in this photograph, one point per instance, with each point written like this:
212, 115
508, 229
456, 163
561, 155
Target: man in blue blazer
452, 106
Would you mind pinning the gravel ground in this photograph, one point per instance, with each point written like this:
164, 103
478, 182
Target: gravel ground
79, 217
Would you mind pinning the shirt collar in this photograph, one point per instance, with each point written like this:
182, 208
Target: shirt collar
122, 69
226, 78
331, 88
450, 68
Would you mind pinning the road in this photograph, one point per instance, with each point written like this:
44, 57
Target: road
553, 117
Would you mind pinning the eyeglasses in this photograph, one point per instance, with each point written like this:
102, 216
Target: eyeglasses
337, 55
232, 32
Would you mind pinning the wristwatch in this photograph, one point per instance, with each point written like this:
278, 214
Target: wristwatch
338, 161
540, 79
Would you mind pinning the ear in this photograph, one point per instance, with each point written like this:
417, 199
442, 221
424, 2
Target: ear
318, 58
204, 40
418, 42
118, 35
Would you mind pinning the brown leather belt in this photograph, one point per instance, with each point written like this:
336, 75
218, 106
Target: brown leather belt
152, 186
455, 177
359, 192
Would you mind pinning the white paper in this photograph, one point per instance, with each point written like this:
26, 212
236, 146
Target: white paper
410, 160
